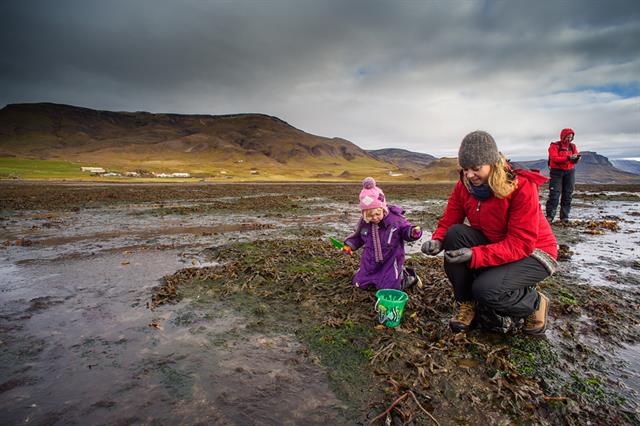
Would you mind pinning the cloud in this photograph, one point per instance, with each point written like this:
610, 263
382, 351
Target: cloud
414, 75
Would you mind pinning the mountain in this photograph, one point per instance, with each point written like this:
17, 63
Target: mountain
237, 145
592, 168
441, 170
631, 166
403, 159
535, 165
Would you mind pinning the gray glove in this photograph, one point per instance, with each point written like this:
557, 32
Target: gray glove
458, 256
432, 247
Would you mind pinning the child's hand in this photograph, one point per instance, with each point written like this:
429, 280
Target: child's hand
416, 232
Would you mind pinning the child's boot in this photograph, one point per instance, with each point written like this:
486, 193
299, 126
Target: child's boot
463, 316
409, 279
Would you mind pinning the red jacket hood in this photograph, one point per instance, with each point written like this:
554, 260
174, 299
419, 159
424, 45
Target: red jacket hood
565, 132
534, 177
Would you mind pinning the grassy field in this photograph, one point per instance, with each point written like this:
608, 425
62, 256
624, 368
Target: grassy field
29, 169
20, 168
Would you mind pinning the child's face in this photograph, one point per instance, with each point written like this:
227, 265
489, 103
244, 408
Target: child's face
373, 215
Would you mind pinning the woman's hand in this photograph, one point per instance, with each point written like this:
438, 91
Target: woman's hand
458, 256
432, 247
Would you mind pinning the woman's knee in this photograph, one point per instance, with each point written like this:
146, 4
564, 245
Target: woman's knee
486, 292
453, 238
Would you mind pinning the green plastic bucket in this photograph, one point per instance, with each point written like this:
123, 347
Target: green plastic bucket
390, 306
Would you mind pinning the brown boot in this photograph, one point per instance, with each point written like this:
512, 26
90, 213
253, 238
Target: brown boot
463, 316
536, 323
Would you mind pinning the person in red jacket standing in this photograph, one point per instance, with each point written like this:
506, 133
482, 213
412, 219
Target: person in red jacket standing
563, 156
507, 248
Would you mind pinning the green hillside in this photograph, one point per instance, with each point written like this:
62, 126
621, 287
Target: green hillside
21, 168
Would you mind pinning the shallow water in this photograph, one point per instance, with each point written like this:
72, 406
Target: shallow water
608, 259
611, 260
81, 342
629, 372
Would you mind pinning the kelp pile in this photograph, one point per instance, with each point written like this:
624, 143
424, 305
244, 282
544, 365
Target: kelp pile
592, 226
419, 372
292, 204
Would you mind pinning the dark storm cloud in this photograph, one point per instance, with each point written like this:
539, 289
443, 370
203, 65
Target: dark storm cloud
151, 45
327, 66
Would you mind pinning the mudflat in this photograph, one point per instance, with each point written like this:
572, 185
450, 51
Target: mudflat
226, 303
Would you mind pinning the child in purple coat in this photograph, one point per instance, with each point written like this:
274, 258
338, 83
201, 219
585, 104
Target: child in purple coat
382, 231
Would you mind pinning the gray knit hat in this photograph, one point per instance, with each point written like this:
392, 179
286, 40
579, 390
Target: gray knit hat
476, 149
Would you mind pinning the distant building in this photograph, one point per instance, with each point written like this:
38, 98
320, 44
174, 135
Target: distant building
109, 174
93, 169
172, 175
132, 174
394, 174
254, 172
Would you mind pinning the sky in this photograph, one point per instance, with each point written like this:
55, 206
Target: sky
415, 75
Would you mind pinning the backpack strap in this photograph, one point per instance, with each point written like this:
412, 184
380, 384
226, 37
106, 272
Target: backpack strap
559, 143
568, 149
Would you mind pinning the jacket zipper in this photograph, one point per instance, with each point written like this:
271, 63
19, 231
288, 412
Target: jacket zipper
478, 206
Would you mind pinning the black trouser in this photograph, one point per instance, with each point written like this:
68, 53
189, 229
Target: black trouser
562, 182
509, 289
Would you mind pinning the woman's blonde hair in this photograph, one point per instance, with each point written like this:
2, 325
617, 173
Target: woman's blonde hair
502, 180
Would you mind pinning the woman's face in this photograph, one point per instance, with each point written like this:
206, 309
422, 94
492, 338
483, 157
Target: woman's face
373, 215
477, 175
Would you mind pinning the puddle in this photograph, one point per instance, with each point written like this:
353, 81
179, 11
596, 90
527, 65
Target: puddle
630, 370
80, 340
608, 259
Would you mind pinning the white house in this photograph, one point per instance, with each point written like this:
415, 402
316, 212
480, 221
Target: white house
92, 169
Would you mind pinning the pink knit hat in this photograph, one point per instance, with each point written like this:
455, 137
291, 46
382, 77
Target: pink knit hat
371, 197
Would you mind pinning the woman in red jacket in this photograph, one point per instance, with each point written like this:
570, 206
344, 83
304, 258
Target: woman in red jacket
508, 246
